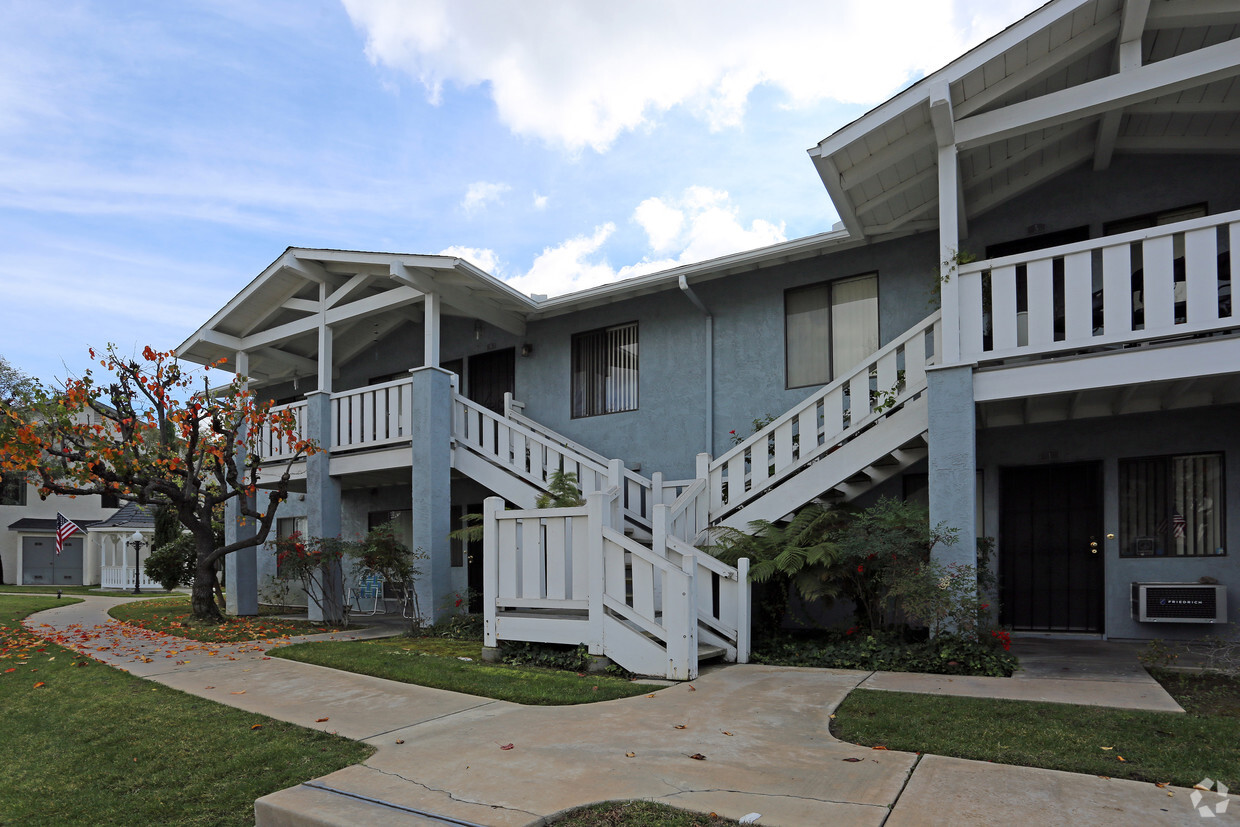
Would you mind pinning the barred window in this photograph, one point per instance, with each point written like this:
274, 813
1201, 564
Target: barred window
1171, 506
605, 370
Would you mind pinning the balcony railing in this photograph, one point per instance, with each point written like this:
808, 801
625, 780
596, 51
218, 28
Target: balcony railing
1163, 282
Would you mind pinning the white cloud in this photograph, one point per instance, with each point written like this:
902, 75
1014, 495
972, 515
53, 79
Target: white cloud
701, 224
480, 257
581, 74
540, 202
482, 193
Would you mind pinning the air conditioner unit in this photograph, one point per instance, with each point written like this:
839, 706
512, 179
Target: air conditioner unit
1179, 603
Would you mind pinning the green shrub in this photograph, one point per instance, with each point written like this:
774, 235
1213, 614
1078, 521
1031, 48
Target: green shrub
548, 655
944, 655
172, 564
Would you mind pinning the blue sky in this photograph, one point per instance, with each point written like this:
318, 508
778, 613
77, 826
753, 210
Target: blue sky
155, 156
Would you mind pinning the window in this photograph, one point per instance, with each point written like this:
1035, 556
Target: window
285, 527
605, 371
1171, 506
12, 489
829, 328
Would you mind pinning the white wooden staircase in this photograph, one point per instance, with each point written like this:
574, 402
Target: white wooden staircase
621, 573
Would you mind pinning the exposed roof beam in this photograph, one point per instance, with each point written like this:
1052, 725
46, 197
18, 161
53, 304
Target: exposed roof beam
1047, 64
1127, 58
475, 305
358, 282
1122, 399
1171, 146
302, 305
884, 157
906, 221
1102, 95
214, 337
387, 300
1180, 107
927, 174
945, 134
347, 347
307, 269
1185, 13
1065, 133
1043, 172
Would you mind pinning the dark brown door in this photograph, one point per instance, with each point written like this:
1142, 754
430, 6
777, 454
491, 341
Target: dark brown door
491, 375
1051, 548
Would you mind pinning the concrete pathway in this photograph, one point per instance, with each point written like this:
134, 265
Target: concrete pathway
762, 732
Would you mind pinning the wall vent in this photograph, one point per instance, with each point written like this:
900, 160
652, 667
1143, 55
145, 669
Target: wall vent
1179, 603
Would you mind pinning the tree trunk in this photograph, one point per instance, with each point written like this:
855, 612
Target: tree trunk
202, 593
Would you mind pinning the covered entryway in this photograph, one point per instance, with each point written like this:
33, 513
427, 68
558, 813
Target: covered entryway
42, 566
1051, 548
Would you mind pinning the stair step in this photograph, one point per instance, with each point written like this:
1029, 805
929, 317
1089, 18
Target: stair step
707, 652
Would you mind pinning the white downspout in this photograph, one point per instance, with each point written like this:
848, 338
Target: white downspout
710, 363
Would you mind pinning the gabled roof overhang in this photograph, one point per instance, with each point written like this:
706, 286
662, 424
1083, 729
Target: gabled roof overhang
1075, 82
279, 318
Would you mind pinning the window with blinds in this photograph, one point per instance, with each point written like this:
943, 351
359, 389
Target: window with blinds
829, 328
1171, 506
605, 370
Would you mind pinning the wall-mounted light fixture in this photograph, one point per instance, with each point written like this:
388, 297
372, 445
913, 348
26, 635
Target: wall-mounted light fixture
527, 349
477, 329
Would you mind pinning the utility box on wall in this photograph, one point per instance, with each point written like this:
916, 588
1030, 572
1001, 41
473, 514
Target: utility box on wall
1179, 603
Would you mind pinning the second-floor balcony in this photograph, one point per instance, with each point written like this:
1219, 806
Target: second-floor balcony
1159, 284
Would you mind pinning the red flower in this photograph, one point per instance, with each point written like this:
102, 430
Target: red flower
860, 569
985, 606
458, 601
851, 631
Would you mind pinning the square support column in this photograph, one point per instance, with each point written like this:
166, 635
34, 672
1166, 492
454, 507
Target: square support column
240, 567
432, 485
323, 503
953, 461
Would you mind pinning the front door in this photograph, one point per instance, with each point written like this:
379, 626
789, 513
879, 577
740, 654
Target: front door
1051, 548
491, 375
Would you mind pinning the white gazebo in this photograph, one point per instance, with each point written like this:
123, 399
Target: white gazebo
115, 539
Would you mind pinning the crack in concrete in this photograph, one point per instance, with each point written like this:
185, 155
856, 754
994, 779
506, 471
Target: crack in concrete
690, 791
451, 796
428, 720
907, 778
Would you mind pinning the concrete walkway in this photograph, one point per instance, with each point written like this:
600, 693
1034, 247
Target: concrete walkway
763, 733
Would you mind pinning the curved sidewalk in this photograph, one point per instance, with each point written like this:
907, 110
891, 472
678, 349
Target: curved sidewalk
762, 732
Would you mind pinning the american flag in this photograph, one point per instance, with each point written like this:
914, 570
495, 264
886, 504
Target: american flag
65, 528
1177, 525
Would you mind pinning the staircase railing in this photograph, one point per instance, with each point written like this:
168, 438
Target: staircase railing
829, 417
568, 575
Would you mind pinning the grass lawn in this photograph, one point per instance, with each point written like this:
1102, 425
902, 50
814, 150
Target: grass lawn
172, 616
639, 814
1162, 747
437, 662
88, 744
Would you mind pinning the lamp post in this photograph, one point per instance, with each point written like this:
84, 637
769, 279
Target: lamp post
136, 543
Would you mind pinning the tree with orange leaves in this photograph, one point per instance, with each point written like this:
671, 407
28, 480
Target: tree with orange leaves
146, 436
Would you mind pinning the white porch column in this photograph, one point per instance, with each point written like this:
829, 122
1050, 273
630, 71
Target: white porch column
325, 343
430, 349
949, 221
240, 567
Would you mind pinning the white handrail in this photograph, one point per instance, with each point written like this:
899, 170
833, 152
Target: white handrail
1091, 294
272, 445
831, 415
372, 416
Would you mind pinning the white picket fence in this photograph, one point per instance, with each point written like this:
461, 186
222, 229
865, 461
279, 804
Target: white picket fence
829, 417
1134, 287
121, 577
570, 575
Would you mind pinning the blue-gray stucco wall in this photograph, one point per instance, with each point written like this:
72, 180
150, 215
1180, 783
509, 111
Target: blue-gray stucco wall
1109, 440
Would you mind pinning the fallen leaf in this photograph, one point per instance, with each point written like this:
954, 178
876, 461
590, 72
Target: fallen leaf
832, 716
851, 760
321, 720
257, 726
697, 756
1121, 758
650, 696
39, 684
692, 688
630, 754
506, 746
680, 726
1106, 747
241, 692
725, 732
402, 740
209, 687
1105, 777
880, 746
